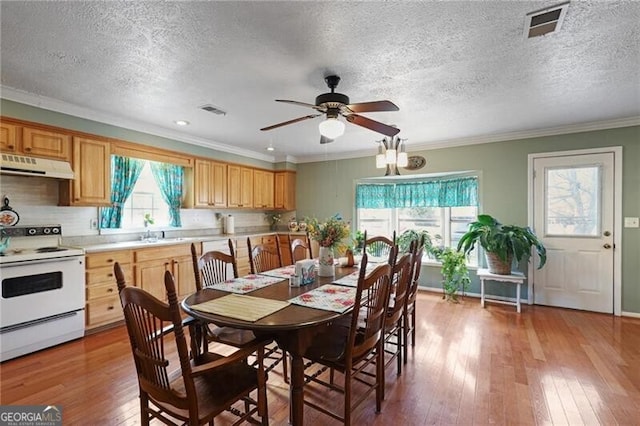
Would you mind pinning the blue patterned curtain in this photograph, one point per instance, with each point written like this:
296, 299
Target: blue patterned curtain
124, 174
169, 178
432, 193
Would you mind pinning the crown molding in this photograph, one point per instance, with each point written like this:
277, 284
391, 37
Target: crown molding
86, 113
499, 137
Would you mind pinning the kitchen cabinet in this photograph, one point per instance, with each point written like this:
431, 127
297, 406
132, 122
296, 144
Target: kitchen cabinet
102, 300
31, 141
263, 189
8, 137
43, 143
285, 190
210, 184
151, 263
240, 186
92, 167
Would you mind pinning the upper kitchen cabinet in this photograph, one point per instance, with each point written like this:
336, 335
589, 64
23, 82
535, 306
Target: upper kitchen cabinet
8, 137
42, 143
240, 186
285, 190
92, 167
210, 184
263, 197
36, 142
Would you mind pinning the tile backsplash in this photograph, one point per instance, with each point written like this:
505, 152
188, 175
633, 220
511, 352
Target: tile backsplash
35, 200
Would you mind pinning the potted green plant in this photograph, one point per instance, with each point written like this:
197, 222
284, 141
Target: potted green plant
404, 240
501, 243
455, 275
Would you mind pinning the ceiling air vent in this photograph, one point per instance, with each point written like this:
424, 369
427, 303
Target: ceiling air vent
213, 109
545, 21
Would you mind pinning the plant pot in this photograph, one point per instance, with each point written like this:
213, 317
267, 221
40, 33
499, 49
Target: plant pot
497, 265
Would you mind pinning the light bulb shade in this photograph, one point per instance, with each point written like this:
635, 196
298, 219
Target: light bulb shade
381, 161
403, 159
391, 156
331, 128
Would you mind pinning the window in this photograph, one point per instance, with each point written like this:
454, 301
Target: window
140, 188
145, 198
443, 207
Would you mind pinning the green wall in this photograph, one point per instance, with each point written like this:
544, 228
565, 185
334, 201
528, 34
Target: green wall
327, 187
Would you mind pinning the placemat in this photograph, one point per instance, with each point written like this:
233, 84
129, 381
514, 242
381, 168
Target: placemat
246, 308
329, 297
283, 273
245, 284
350, 280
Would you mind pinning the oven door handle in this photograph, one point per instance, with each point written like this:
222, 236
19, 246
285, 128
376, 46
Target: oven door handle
48, 260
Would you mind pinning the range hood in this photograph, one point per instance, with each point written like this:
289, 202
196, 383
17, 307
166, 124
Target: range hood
31, 166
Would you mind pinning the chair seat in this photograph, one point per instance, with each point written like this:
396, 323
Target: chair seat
234, 336
215, 390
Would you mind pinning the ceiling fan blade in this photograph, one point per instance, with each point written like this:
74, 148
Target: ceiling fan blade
295, 120
304, 104
376, 126
375, 106
324, 139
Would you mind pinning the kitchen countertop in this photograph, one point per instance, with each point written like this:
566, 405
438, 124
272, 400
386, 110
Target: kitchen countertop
137, 244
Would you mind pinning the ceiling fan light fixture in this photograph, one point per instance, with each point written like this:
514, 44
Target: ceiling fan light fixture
331, 128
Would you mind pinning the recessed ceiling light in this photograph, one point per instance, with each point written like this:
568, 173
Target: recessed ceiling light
181, 122
270, 148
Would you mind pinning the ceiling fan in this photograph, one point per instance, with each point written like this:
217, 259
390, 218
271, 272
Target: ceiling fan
334, 105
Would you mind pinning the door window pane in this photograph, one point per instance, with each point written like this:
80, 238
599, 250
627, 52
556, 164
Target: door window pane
572, 204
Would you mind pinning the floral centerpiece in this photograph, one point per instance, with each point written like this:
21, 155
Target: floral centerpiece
329, 236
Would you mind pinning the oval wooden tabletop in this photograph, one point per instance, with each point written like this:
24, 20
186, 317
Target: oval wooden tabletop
290, 318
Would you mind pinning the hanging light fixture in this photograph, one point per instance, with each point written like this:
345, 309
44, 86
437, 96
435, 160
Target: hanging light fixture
332, 127
391, 155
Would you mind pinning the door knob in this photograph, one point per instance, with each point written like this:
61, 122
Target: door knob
606, 233
607, 246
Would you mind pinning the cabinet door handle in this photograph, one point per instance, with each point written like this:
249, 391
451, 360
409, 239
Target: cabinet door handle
110, 308
110, 290
109, 260
28, 149
10, 146
110, 275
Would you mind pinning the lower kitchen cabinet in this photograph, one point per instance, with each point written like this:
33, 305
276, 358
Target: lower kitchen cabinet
143, 268
103, 303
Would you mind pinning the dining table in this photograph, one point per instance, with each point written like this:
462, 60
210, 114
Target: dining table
293, 326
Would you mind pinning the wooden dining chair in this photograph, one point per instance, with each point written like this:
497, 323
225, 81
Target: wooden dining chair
300, 249
352, 349
394, 320
409, 314
378, 246
193, 390
263, 257
211, 268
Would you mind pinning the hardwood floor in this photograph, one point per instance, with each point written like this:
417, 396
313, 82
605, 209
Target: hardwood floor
470, 366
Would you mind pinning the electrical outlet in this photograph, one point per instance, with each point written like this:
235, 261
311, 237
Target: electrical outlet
631, 222
93, 224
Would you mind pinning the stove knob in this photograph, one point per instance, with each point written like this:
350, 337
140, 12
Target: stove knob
55, 230
46, 231
32, 231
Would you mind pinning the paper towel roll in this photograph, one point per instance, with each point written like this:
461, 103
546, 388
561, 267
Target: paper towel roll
229, 225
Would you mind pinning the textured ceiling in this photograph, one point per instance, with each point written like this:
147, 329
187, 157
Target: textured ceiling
459, 71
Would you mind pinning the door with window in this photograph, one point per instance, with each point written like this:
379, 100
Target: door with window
573, 212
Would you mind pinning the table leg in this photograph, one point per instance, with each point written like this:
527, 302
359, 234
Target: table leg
296, 389
482, 292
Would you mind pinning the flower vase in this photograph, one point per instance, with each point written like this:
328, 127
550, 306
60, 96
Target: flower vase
326, 267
